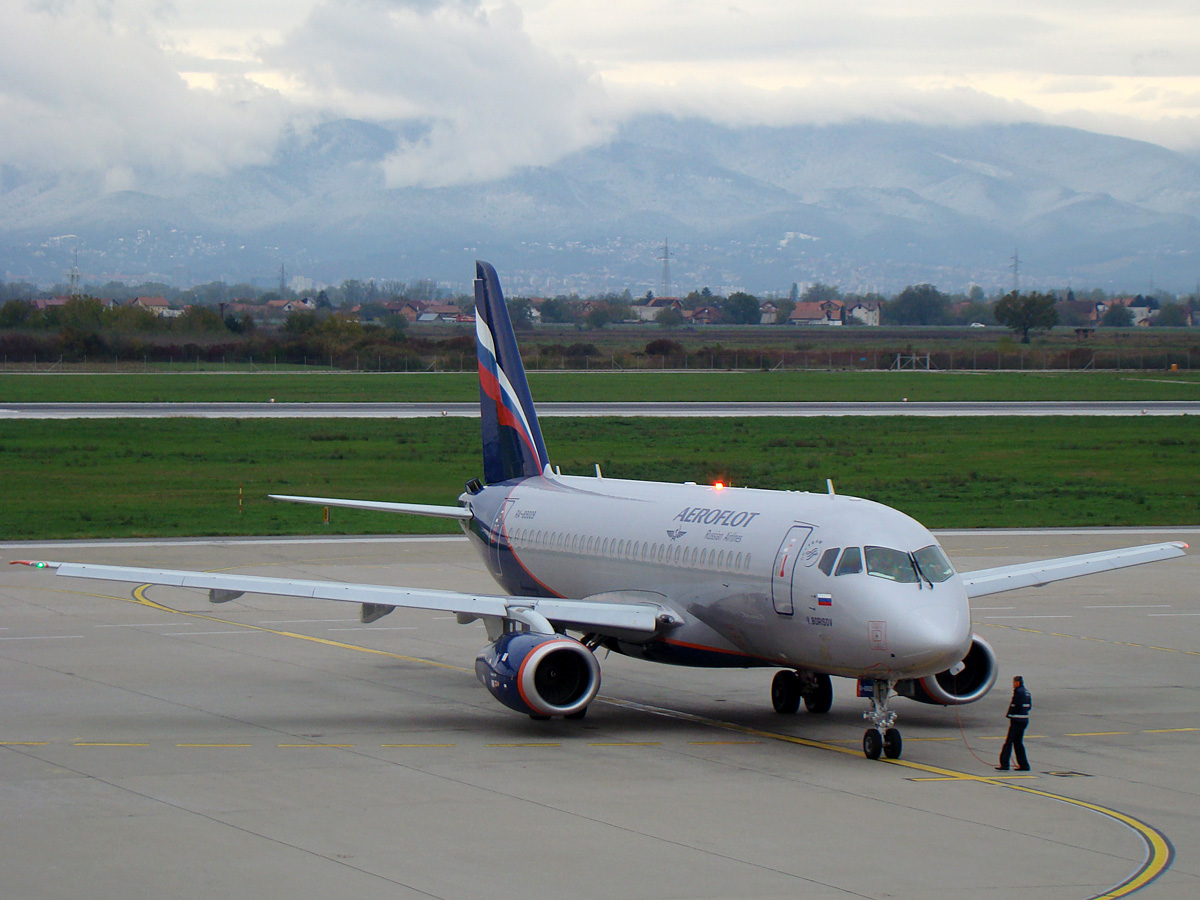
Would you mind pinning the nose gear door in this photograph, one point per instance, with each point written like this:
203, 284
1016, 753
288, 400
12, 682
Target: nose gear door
785, 564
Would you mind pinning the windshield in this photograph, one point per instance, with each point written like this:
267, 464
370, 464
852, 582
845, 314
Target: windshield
934, 564
894, 565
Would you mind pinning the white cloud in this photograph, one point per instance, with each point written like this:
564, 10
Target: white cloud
489, 98
82, 89
131, 89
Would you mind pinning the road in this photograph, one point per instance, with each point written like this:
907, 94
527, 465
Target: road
667, 409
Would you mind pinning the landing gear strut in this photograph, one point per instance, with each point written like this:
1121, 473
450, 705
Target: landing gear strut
881, 737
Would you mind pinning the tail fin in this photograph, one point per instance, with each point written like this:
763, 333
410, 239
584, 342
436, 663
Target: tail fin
512, 440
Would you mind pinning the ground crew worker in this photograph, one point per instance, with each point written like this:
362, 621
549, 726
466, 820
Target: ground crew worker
1018, 721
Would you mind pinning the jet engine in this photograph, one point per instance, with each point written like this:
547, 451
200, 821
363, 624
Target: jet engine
539, 674
964, 682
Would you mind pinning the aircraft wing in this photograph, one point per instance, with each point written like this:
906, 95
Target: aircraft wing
983, 582
416, 509
629, 618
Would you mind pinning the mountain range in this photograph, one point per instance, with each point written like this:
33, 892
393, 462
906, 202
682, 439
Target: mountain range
863, 205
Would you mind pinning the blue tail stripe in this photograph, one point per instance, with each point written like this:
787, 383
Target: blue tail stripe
512, 440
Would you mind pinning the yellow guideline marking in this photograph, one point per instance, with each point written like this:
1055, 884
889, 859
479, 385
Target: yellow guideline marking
1170, 730
139, 596
24, 743
106, 744
530, 744
625, 744
959, 777
214, 746
704, 743
314, 746
1093, 733
1084, 637
1159, 852
394, 746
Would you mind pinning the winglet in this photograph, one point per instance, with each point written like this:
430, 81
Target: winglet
36, 563
512, 440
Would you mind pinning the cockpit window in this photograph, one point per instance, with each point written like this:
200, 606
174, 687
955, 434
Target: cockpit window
851, 563
894, 565
934, 564
827, 560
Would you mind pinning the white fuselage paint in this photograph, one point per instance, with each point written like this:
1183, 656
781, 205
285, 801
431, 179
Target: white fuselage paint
741, 568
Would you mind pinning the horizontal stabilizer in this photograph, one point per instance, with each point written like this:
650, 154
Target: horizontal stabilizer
414, 509
983, 582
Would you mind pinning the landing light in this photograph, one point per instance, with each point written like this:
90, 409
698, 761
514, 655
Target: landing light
719, 485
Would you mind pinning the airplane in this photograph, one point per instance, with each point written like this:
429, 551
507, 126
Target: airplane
818, 585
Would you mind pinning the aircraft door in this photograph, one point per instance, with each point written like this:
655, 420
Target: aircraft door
785, 564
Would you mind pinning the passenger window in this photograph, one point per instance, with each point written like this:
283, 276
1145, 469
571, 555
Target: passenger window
851, 563
827, 560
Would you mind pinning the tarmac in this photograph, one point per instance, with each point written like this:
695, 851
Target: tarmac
153, 745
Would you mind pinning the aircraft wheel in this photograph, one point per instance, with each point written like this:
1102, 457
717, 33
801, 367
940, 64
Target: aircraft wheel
821, 699
785, 692
872, 743
577, 715
892, 745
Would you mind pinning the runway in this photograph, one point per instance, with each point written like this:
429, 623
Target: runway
575, 410
155, 745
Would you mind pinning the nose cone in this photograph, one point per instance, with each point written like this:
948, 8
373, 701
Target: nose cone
935, 636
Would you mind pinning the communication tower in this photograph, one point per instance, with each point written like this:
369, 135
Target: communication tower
666, 272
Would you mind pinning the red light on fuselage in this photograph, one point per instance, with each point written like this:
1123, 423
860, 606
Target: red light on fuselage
720, 485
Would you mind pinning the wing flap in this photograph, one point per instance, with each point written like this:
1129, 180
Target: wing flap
983, 582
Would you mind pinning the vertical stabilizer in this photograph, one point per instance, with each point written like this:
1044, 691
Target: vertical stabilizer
512, 440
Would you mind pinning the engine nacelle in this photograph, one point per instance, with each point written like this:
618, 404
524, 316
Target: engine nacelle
539, 674
965, 682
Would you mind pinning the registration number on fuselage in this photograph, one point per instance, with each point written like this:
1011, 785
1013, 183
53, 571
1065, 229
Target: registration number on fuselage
823, 621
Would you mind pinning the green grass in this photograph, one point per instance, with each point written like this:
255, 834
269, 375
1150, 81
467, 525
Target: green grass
171, 477
602, 386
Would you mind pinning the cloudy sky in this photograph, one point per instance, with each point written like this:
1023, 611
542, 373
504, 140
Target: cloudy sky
129, 89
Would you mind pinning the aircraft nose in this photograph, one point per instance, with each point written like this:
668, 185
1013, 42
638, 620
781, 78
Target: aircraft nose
935, 635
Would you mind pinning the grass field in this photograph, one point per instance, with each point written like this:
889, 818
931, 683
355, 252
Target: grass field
170, 477
602, 386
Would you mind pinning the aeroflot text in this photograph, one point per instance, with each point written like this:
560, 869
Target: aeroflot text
728, 517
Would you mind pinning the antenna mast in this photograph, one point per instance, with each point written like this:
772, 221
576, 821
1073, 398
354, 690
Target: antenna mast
74, 275
666, 272
1016, 267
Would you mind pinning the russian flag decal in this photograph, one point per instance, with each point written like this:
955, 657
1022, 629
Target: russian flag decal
824, 600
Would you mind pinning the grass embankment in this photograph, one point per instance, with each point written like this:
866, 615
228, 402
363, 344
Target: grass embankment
746, 385
170, 477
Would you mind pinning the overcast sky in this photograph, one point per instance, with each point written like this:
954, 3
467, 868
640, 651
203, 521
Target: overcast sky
130, 88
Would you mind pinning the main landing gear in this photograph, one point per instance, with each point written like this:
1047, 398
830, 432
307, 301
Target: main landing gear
789, 687
881, 737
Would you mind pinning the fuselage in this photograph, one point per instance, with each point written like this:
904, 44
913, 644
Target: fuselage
823, 582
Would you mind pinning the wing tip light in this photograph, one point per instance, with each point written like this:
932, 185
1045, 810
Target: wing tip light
36, 563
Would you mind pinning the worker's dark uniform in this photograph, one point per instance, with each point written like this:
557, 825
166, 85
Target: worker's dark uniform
1018, 720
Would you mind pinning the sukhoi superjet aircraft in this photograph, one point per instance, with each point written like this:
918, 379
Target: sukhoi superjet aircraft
815, 585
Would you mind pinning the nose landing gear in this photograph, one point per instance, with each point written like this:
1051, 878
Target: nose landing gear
881, 737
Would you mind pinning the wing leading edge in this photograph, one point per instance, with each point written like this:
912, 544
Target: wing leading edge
983, 582
607, 616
